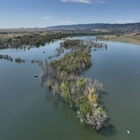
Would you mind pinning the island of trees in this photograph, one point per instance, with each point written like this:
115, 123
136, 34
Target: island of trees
62, 78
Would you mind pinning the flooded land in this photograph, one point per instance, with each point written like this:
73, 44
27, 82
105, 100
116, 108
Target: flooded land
46, 88
69, 69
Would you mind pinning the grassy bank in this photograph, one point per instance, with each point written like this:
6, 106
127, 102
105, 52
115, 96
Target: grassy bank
129, 38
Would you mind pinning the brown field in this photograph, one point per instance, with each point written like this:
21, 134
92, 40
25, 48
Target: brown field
133, 38
10, 33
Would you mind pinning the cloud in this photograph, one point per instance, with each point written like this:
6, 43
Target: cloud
83, 1
47, 17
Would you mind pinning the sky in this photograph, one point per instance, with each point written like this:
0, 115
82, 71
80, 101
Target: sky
44, 13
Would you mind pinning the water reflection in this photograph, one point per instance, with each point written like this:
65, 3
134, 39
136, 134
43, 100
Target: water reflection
66, 113
108, 130
95, 46
59, 106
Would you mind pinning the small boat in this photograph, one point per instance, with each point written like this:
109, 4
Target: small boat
128, 131
35, 75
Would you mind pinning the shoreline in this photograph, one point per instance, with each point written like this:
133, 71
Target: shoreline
130, 38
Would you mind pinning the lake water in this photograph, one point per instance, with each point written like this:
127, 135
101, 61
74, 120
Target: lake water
27, 110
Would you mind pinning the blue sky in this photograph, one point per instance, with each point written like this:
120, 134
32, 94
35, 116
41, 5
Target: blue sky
44, 13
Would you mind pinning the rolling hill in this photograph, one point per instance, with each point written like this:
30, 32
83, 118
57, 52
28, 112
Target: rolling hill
127, 28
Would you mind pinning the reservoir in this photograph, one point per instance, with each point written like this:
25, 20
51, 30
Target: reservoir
28, 110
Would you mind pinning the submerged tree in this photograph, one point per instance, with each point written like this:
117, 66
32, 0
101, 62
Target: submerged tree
61, 77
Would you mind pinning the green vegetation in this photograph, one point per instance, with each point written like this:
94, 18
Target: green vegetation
61, 77
35, 40
19, 60
9, 58
6, 57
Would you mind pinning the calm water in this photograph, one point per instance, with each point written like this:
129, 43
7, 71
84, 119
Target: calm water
27, 110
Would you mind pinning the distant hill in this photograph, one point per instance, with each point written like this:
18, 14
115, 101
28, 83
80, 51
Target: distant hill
128, 27
103, 27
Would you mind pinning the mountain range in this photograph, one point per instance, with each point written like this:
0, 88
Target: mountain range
127, 27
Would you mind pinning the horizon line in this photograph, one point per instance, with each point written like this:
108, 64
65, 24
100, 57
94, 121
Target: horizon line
63, 25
